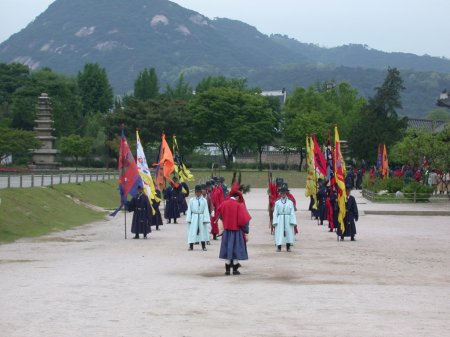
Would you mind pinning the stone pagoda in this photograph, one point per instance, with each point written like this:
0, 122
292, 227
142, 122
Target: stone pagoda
45, 157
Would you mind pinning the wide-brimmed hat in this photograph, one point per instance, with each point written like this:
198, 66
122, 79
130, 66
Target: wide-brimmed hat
284, 189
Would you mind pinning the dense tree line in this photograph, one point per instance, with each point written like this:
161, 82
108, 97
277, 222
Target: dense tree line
222, 111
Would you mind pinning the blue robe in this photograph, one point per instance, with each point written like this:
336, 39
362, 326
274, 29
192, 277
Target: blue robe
172, 210
284, 221
198, 220
351, 216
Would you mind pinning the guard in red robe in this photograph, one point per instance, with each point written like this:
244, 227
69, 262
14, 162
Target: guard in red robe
235, 219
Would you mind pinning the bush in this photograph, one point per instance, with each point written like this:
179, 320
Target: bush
417, 191
394, 184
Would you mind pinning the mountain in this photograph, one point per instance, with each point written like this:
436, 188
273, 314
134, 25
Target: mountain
127, 36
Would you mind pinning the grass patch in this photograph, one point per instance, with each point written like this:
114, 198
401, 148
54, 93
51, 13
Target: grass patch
30, 212
100, 193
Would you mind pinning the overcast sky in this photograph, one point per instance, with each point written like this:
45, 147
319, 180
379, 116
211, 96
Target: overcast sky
413, 26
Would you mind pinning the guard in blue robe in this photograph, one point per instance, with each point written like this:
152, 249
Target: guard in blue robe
322, 195
284, 221
156, 219
198, 220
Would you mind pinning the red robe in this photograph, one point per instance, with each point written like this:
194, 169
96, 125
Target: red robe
233, 213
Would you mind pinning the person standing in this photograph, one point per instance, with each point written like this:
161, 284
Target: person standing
322, 195
284, 220
142, 213
198, 220
351, 216
171, 195
235, 219
156, 219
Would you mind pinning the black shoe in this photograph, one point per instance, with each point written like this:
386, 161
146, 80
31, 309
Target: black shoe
227, 268
203, 246
175, 221
191, 246
353, 239
342, 238
288, 247
136, 237
214, 236
330, 230
145, 236
208, 243
235, 269
168, 221
278, 249
204, 249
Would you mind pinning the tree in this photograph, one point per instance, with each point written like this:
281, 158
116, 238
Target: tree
419, 144
379, 122
229, 118
17, 142
65, 102
439, 114
182, 90
95, 91
146, 85
221, 82
75, 146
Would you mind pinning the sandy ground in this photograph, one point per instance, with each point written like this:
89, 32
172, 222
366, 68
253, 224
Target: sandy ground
88, 281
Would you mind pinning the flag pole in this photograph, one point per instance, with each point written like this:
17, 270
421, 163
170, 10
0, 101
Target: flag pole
122, 127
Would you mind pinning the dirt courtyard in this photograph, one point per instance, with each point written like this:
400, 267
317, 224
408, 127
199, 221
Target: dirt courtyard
88, 281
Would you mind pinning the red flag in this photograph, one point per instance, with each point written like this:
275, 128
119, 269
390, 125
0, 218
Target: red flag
129, 179
319, 160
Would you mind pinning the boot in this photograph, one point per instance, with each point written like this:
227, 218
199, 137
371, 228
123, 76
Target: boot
288, 247
235, 269
191, 246
175, 221
279, 248
136, 236
214, 236
227, 268
203, 246
353, 238
168, 221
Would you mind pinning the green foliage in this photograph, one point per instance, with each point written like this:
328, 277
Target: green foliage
230, 118
146, 85
95, 90
75, 146
439, 114
181, 91
417, 191
317, 110
17, 142
64, 101
221, 82
394, 184
379, 123
419, 144
12, 77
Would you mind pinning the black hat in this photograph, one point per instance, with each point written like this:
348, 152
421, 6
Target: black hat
208, 183
198, 188
348, 187
203, 186
284, 189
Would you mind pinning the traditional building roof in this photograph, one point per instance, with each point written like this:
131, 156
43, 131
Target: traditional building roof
434, 126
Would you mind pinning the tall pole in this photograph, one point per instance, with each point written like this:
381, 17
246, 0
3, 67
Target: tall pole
122, 127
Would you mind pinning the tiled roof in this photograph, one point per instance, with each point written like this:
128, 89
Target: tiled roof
426, 124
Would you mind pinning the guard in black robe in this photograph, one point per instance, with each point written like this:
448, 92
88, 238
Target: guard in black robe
142, 213
184, 193
156, 219
172, 210
351, 216
322, 200
359, 179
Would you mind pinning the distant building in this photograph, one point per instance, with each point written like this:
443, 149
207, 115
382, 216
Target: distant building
443, 100
281, 94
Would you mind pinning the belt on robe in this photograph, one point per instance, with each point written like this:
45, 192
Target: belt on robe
140, 209
197, 212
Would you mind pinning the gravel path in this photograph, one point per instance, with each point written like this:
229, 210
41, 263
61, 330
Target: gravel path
88, 281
